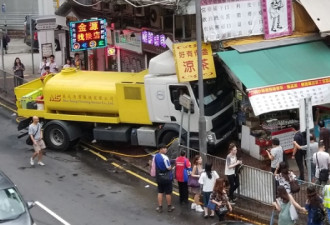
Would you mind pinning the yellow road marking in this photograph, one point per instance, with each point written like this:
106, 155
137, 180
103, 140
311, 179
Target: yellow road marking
99, 155
7, 107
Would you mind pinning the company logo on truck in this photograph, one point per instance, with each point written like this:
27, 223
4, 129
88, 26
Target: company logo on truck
55, 98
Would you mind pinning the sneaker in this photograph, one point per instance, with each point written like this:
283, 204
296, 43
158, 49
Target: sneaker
159, 209
232, 202
41, 163
170, 208
193, 205
199, 208
234, 199
31, 162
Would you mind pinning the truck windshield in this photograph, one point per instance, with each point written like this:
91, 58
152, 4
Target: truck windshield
11, 205
217, 95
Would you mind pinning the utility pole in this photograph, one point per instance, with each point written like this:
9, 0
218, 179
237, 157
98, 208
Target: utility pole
3, 10
202, 121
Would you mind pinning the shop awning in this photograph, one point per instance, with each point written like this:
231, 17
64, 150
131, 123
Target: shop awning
277, 78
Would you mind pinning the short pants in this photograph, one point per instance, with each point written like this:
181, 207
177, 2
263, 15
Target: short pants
39, 146
165, 188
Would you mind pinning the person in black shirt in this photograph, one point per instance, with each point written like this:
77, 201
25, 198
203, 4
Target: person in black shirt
298, 154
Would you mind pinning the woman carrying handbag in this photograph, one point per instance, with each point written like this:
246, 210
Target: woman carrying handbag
194, 184
220, 199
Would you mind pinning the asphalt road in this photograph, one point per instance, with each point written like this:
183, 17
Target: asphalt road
81, 188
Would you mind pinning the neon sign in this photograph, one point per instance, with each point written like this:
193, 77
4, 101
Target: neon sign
150, 38
88, 34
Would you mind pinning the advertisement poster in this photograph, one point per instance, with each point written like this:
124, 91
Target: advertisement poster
185, 55
277, 18
227, 19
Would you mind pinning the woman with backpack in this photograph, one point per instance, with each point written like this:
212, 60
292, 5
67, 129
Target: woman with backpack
283, 204
207, 180
284, 176
316, 214
220, 199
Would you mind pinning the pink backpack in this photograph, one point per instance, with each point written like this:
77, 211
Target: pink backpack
153, 168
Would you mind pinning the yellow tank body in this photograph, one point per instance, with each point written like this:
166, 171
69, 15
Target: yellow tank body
90, 92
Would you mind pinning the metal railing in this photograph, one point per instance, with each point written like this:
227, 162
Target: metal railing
8, 82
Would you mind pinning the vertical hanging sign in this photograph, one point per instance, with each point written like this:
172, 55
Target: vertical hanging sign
277, 18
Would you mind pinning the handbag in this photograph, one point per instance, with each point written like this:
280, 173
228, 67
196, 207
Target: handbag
238, 168
319, 215
223, 210
29, 140
293, 212
193, 182
164, 176
294, 186
324, 173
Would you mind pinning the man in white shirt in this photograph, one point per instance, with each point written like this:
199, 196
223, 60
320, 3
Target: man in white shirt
322, 161
275, 154
52, 64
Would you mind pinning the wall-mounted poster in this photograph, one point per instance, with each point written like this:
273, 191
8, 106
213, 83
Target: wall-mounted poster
277, 18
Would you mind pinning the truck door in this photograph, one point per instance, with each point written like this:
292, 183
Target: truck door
175, 108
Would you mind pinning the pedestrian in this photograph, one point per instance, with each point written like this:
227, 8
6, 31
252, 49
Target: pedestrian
326, 199
43, 65
299, 155
314, 147
322, 161
232, 176
164, 179
52, 64
220, 199
5, 41
324, 135
36, 134
284, 176
68, 63
275, 154
314, 207
207, 180
195, 186
45, 73
283, 204
77, 61
18, 72
182, 165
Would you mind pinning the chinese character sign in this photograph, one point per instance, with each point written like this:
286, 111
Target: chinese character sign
277, 18
88, 34
186, 61
226, 19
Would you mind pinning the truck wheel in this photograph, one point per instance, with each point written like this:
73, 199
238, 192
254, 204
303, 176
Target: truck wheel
168, 137
57, 138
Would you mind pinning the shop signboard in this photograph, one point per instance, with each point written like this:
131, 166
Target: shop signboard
185, 55
153, 42
288, 96
88, 34
128, 40
227, 19
277, 18
285, 136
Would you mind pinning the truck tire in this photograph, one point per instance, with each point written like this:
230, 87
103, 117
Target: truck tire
56, 137
168, 137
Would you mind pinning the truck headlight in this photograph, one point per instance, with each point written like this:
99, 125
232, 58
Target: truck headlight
211, 138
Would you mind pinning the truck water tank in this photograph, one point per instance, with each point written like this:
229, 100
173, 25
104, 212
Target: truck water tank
83, 92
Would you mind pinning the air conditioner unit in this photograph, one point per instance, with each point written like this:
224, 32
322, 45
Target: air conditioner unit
139, 12
128, 9
97, 6
155, 16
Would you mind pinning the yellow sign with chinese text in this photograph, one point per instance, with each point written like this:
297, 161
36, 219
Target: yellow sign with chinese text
185, 55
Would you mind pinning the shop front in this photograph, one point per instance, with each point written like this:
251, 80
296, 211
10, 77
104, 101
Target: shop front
129, 54
275, 81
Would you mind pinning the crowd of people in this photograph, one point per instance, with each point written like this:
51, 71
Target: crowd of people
46, 67
217, 199
199, 181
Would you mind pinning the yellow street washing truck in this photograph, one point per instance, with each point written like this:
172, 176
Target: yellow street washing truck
137, 108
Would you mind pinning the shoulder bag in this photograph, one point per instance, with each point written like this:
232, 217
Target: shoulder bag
193, 181
294, 186
319, 215
163, 176
324, 173
29, 140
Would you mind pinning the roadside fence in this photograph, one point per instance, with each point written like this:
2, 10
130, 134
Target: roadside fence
8, 82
